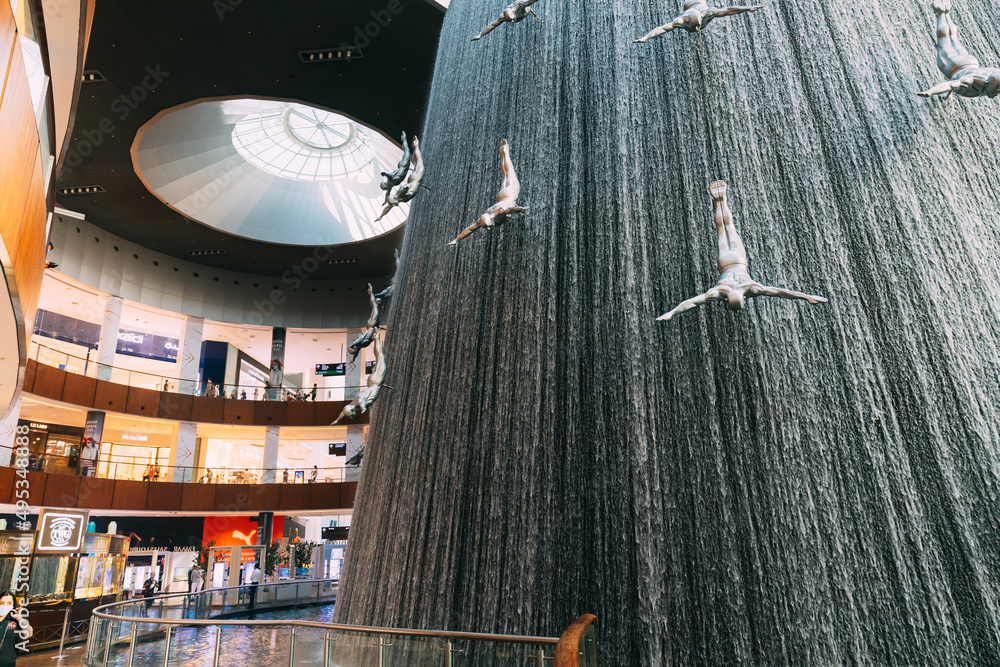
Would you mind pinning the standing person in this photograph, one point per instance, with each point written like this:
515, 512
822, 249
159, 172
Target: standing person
11, 632
284, 477
208, 474
148, 591
147, 474
156, 473
313, 393
254, 582
315, 473
243, 395
196, 578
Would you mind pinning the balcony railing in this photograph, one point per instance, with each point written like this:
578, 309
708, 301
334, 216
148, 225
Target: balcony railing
186, 629
77, 365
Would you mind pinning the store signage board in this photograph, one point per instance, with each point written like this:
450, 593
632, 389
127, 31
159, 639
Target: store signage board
147, 346
331, 369
61, 531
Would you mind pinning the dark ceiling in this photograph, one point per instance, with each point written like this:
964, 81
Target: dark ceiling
213, 48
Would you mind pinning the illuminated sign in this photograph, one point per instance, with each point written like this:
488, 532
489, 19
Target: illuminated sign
135, 438
147, 346
331, 369
38, 427
61, 531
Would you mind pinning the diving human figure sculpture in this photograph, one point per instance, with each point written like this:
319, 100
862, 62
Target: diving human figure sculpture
387, 292
371, 327
407, 190
735, 284
367, 396
697, 14
514, 13
967, 78
506, 198
395, 178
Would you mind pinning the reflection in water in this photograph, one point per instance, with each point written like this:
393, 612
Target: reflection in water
240, 645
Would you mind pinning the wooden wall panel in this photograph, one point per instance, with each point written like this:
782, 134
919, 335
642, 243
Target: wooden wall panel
49, 382
263, 497
175, 406
231, 497
130, 495
165, 496
207, 409
300, 413
7, 486
79, 390
29, 375
36, 487
110, 396
198, 497
238, 412
324, 496
143, 402
269, 413
348, 492
96, 493
294, 496
61, 491
29, 262
8, 32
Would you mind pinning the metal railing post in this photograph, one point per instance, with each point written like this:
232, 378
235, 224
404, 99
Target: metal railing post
540, 658
132, 643
107, 644
326, 649
381, 653
291, 647
62, 639
218, 645
166, 645
447, 654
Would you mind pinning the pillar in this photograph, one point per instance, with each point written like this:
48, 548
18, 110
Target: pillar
270, 474
355, 441
184, 455
190, 356
786, 485
108, 344
355, 376
277, 362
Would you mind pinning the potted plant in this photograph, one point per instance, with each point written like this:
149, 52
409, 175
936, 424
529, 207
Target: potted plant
303, 555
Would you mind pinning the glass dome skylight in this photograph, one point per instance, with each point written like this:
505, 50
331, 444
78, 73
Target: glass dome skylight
302, 143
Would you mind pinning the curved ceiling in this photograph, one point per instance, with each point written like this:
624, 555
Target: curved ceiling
275, 171
159, 54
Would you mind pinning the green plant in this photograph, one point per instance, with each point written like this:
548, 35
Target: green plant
303, 553
273, 559
203, 555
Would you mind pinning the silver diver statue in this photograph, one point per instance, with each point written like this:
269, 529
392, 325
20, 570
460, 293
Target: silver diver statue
387, 292
506, 198
367, 396
395, 178
697, 14
967, 78
735, 284
408, 190
371, 327
514, 13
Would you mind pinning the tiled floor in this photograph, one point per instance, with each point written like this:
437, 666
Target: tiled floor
71, 657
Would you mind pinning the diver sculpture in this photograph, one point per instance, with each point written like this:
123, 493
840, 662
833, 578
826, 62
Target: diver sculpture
408, 190
506, 198
966, 76
371, 327
367, 396
387, 292
697, 14
735, 284
396, 177
514, 13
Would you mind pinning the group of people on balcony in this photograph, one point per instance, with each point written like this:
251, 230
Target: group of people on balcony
213, 390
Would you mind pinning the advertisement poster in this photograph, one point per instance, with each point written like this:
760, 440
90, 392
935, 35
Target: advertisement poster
93, 430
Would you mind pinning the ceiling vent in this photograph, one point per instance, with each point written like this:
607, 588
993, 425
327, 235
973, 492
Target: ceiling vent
81, 190
355, 260
326, 55
93, 76
206, 253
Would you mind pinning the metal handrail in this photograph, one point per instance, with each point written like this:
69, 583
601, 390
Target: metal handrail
177, 382
100, 612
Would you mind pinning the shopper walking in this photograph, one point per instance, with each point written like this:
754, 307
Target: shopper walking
148, 591
12, 632
254, 582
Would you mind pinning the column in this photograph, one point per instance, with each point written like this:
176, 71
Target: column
8, 433
265, 527
190, 355
277, 362
355, 376
355, 441
109, 337
270, 475
183, 456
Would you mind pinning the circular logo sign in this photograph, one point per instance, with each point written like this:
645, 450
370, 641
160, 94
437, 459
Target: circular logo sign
61, 531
